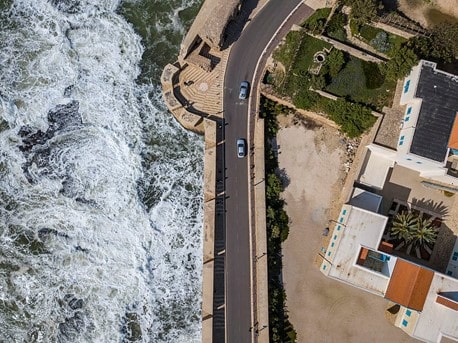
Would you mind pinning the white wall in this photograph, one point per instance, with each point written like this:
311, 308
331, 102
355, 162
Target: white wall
410, 120
412, 80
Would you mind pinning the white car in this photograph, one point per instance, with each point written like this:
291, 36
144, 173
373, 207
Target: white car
244, 90
241, 148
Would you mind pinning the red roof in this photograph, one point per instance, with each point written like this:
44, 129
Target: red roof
409, 285
453, 140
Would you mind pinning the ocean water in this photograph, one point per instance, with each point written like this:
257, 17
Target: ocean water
100, 189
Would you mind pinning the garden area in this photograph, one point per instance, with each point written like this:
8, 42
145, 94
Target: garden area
380, 40
363, 82
419, 235
308, 64
413, 233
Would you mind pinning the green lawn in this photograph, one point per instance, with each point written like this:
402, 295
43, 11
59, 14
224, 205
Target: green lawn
286, 52
381, 40
358, 81
363, 82
298, 60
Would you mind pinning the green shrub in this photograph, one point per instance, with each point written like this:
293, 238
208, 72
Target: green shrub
401, 63
368, 32
381, 42
361, 82
440, 46
315, 23
339, 35
396, 43
354, 119
335, 61
373, 75
281, 330
337, 22
286, 52
363, 11
298, 76
305, 99
354, 27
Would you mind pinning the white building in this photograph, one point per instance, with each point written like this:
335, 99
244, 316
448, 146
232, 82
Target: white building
356, 255
429, 129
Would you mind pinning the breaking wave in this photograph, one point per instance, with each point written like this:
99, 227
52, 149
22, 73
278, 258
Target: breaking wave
100, 189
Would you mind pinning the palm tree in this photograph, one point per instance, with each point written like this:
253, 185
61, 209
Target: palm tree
403, 224
423, 233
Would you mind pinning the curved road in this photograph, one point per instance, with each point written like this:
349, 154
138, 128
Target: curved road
241, 66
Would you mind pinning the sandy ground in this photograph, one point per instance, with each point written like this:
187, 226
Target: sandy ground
321, 309
417, 9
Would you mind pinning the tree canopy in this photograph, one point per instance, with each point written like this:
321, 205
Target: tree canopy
441, 45
413, 229
363, 11
401, 63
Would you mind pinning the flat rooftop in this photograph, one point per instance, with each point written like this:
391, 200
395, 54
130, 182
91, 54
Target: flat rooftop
357, 228
439, 92
437, 320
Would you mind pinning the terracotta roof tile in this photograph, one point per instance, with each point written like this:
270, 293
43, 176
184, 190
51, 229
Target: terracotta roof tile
409, 285
453, 141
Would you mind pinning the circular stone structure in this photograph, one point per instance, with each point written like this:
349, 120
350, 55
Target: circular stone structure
319, 57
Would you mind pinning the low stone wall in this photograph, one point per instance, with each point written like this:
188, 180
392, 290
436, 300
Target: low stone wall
188, 120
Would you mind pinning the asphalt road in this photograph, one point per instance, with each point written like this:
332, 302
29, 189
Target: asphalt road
241, 66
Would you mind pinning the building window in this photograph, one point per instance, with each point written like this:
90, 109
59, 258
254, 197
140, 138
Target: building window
341, 219
409, 110
455, 256
344, 212
406, 87
329, 253
408, 313
324, 267
418, 162
335, 236
407, 119
405, 322
449, 272
408, 159
401, 140
338, 227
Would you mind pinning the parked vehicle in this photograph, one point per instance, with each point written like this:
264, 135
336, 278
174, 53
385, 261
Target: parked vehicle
241, 148
244, 90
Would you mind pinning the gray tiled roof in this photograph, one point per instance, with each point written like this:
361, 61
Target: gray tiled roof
439, 92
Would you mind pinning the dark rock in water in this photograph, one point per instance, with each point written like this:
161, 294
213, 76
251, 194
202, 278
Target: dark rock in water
35, 146
69, 89
64, 116
30, 138
86, 201
72, 327
68, 6
78, 248
75, 304
46, 232
60, 118
131, 328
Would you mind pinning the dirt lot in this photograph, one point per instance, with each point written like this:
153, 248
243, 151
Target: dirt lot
428, 13
321, 309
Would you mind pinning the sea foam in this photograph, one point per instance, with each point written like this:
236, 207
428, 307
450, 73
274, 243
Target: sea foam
100, 196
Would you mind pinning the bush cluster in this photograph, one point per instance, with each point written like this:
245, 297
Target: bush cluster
316, 22
281, 330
